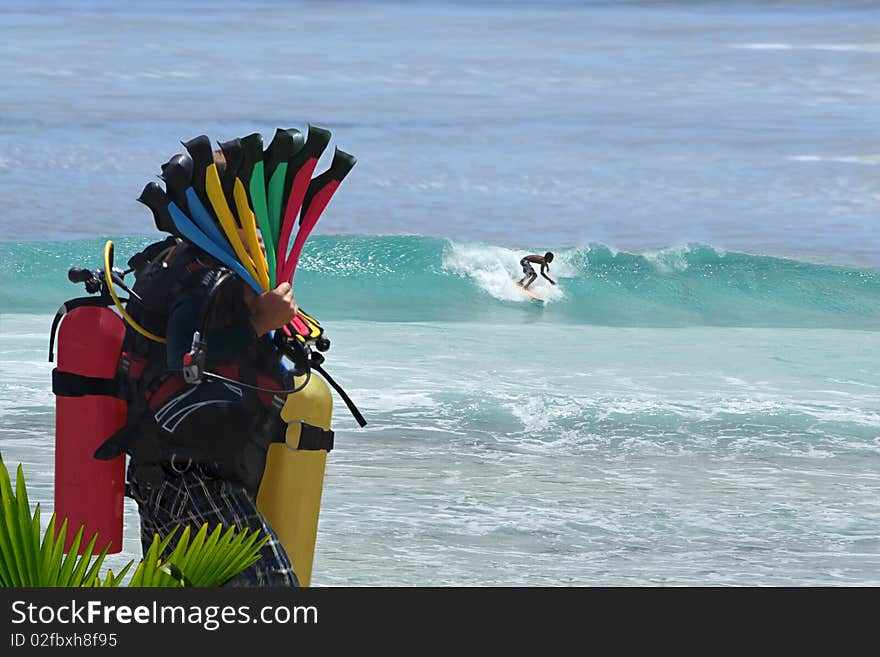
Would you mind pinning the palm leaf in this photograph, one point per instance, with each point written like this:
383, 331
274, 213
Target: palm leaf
29, 539
110, 580
92, 573
14, 542
151, 571
181, 556
77, 575
70, 560
206, 560
234, 552
25, 560
47, 565
56, 551
9, 572
208, 553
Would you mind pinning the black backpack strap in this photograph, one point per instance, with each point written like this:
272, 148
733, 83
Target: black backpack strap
68, 384
315, 438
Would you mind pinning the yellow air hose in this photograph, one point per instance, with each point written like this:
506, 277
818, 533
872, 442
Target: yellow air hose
108, 268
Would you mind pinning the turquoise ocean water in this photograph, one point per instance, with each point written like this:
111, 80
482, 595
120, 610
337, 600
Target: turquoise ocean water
698, 400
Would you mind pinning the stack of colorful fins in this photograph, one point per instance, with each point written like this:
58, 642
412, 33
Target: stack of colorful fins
261, 193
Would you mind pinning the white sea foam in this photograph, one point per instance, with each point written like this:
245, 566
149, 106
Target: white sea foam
496, 270
872, 159
389, 400
670, 259
156, 74
830, 47
55, 72
287, 77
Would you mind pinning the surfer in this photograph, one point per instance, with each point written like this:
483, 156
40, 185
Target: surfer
529, 271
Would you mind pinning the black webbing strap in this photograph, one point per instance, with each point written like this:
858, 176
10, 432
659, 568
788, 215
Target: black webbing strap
68, 384
315, 438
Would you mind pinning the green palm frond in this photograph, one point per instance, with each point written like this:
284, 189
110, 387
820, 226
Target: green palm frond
205, 561
111, 580
152, 570
25, 560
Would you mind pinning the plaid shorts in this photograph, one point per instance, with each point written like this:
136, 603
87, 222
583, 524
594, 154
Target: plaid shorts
194, 497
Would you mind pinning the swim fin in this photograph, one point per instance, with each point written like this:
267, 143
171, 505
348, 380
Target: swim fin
299, 173
170, 219
236, 197
177, 176
252, 174
283, 146
318, 195
207, 178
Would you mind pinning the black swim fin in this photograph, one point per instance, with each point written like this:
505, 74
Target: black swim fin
177, 176
233, 155
199, 149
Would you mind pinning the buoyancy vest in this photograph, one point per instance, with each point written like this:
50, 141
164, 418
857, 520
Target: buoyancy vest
223, 426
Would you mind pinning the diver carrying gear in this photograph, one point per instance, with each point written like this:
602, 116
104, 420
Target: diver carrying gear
187, 387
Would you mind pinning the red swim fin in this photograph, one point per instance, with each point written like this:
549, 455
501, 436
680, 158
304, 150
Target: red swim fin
299, 172
318, 195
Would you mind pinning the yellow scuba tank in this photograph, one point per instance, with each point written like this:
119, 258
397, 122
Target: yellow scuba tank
290, 491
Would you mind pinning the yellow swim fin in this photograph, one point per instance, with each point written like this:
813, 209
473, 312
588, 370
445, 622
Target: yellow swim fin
290, 491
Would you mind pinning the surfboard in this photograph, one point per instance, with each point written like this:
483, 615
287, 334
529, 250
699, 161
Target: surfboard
530, 293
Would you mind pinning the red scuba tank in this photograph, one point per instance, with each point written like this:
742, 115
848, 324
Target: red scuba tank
88, 491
